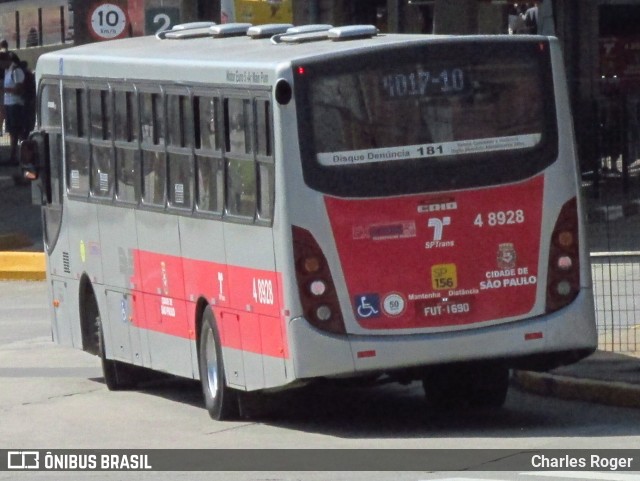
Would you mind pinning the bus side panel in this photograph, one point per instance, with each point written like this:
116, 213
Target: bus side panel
82, 233
125, 338
61, 328
253, 285
118, 243
84, 236
204, 265
161, 281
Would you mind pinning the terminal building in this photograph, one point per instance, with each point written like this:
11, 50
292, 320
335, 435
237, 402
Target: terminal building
600, 39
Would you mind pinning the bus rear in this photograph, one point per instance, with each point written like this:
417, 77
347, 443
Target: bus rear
440, 222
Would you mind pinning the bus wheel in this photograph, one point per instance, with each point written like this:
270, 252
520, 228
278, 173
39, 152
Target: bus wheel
445, 387
220, 400
117, 375
458, 386
489, 386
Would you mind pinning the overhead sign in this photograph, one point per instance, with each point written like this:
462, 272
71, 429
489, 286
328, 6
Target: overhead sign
108, 21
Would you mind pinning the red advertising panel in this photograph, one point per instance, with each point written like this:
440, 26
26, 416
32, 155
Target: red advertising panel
440, 260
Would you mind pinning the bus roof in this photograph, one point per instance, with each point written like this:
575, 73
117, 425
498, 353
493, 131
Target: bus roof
178, 59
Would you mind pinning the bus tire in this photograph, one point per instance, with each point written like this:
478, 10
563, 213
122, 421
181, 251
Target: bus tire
445, 388
117, 375
489, 387
460, 386
220, 400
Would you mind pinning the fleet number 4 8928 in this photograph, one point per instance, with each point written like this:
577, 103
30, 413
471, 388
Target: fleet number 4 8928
503, 217
263, 291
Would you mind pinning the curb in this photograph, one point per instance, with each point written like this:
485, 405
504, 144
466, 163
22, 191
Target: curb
29, 266
612, 393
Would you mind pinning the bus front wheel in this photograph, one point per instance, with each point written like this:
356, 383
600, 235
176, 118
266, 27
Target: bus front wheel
117, 375
219, 399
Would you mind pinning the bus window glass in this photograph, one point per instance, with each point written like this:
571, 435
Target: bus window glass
152, 118
210, 184
180, 127
102, 164
127, 161
154, 181
267, 189
263, 127
126, 116
402, 123
100, 112
237, 123
77, 154
209, 138
102, 171
241, 187
74, 105
55, 154
50, 105
180, 180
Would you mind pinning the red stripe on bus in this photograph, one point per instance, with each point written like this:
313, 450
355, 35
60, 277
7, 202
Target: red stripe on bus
246, 302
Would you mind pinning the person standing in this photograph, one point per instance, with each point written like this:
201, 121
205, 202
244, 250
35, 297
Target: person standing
4, 48
13, 101
531, 18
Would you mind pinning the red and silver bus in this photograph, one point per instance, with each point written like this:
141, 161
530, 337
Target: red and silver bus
259, 207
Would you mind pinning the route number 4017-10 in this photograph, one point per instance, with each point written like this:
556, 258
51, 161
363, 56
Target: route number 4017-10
263, 291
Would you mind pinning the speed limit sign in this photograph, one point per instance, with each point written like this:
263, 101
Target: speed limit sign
108, 21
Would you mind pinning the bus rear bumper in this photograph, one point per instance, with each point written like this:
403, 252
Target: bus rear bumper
538, 343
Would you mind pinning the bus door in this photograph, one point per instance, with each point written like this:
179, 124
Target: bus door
50, 183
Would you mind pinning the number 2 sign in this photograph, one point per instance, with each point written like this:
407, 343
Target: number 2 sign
158, 19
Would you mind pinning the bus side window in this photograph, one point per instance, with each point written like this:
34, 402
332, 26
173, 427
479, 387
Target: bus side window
51, 121
241, 169
264, 155
209, 163
102, 165
126, 141
76, 140
180, 144
154, 159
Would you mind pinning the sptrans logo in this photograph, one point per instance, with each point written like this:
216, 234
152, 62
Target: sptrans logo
438, 225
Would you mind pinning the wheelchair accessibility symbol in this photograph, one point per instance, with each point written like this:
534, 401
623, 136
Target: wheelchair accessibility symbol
367, 305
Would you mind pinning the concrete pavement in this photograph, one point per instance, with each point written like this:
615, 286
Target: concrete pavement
21, 246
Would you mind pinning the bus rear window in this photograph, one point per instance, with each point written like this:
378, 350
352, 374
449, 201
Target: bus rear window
466, 114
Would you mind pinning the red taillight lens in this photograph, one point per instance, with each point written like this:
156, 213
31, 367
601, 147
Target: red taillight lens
315, 285
563, 278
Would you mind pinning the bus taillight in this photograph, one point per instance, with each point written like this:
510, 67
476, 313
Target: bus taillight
563, 278
315, 284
